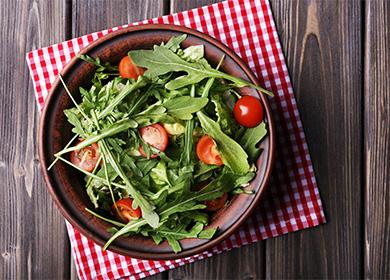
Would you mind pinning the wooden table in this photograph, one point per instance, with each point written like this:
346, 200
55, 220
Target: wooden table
338, 57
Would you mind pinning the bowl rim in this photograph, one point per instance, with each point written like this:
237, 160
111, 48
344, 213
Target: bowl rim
168, 255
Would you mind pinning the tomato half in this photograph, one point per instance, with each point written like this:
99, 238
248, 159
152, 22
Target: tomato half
127, 69
248, 111
125, 212
87, 157
214, 204
156, 136
206, 150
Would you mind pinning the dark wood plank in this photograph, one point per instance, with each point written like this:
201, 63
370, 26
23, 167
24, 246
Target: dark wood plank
377, 140
323, 45
33, 240
244, 263
94, 15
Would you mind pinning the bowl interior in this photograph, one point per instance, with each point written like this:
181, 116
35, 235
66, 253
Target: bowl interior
67, 185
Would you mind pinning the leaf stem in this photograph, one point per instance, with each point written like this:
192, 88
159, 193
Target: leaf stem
210, 81
110, 131
118, 99
66, 146
74, 101
115, 223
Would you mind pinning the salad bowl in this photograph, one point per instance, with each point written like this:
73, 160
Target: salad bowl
66, 184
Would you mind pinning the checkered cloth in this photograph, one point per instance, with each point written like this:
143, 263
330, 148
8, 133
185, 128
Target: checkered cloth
293, 202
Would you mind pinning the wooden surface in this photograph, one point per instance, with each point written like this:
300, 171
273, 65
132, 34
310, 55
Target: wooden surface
338, 56
323, 46
377, 140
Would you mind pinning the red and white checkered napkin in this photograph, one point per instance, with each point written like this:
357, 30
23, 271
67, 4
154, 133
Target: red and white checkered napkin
293, 200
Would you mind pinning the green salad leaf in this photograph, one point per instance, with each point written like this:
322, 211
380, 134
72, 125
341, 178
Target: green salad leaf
251, 138
182, 107
233, 155
225, 116
193, 53
162, 60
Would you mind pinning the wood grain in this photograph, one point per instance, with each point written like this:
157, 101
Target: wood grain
248, 262
377, 140
33, 239
323, 45
94, 15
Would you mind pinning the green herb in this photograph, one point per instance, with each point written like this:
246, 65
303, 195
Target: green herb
162, 60
251, 138
182, 107
233, 155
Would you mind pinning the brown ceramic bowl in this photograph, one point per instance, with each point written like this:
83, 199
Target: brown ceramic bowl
66, 184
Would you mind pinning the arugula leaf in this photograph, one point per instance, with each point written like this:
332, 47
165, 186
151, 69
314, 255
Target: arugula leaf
153, 114
233, 155
174, 235
174, 243
129, 88
147, 209
103, 71
225, 116
196, 216
174, 43
107, 132
201, 169
161, 60
207, 233
96, 61
188, 144
193, 53
75, 121
145, 165
159, 174
132, 226
182, 107
226, 182
251, 138
157, 238
104, 219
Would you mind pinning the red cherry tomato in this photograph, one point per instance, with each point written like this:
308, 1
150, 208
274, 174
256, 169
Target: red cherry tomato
87, 157
127, 69
125, 212
156, 136
214, 204
248, 111
207, 152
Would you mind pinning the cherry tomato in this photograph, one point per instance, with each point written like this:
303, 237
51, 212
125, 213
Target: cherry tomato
125, 212
86, 158
127, 69
214, 204
156, 136
207, 152
248, 111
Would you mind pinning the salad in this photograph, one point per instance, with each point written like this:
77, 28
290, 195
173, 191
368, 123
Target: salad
164, 140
